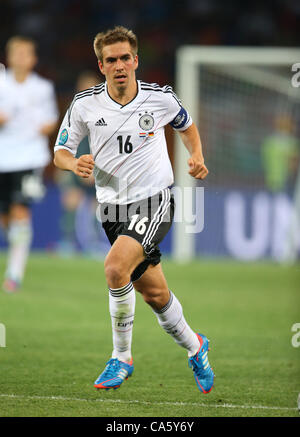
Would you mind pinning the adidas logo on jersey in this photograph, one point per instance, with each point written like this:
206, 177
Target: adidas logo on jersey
101, 122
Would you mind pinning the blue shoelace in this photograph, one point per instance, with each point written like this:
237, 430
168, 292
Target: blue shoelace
113, 366
198, 367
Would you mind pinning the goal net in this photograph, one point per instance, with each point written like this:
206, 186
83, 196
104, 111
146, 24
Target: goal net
246, 104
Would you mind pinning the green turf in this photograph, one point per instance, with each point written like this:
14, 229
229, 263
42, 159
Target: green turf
58, 339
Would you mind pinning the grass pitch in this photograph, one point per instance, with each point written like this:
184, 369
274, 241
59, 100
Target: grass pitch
58, 339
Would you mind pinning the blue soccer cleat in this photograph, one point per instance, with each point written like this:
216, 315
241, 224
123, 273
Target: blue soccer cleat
203, 374
114, 374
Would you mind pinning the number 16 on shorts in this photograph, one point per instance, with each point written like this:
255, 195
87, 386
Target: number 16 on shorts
138, 225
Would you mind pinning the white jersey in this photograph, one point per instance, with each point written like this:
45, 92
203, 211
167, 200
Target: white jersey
27, 106
127, 142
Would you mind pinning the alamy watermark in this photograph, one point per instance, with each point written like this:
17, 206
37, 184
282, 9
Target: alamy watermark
2, 335
296, 337
189, 210
296, 77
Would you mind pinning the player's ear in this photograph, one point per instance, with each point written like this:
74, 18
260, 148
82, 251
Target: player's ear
101, 67
34, 61
136, 60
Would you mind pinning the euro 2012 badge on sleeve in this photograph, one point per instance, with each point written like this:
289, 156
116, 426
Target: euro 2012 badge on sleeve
63, 138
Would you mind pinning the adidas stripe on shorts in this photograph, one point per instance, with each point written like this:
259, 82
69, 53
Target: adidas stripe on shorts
147, 221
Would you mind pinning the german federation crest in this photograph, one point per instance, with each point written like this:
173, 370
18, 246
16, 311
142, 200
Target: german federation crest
146, 121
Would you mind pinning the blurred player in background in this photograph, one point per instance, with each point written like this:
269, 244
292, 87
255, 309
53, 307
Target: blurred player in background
125, 121
75, 189
280, 156
28, 115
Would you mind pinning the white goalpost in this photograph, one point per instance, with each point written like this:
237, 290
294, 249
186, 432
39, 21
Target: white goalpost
236, 96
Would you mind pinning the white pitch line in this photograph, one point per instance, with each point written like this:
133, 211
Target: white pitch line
132, 401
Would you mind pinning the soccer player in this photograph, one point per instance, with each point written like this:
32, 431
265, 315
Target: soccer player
124, 119
28, 115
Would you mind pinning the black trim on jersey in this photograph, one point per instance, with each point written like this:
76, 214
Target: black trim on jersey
165, 92
152, 85
167, 89
97, 89
123, 106
91, 89
155, 85
89, 92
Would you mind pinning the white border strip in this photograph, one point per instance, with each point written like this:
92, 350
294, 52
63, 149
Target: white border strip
122, 401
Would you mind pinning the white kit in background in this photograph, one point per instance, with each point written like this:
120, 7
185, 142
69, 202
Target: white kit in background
28, 105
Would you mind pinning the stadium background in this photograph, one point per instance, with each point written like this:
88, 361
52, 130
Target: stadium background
65, 30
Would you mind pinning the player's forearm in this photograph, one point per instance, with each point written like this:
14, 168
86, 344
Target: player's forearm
82, 166
64, 160
191, 139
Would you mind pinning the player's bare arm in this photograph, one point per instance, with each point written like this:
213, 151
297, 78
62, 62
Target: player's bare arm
191, 139
82, 166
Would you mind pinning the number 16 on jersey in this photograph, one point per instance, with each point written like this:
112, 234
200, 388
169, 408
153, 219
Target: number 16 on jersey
126, 146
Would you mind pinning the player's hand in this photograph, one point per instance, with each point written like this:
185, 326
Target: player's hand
197, 167
83, 166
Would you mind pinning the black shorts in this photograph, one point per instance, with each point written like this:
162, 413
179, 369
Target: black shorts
147, 221
19, 188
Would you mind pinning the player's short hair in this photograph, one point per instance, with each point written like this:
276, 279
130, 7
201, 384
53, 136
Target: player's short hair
111, 36
20, 38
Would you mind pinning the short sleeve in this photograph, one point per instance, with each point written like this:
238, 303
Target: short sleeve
72, 130
177, 116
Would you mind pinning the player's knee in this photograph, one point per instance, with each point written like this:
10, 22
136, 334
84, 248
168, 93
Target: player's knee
114, 272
